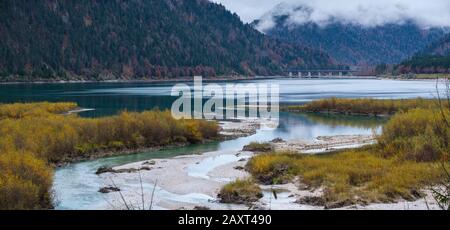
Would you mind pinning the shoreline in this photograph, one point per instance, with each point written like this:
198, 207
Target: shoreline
324, 144
192, 181
182, 79
327, 112
229, 130
169, 175
211, 79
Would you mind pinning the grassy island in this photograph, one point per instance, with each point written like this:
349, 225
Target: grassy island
363, 106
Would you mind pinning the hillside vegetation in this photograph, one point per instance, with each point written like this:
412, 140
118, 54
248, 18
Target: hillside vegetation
33, 138
355, 44
427, 64
137, 39
434, 59
441, 47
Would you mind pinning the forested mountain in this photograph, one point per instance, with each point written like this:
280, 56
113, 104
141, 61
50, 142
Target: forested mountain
433, 59
111, 39
350, 43
441, 47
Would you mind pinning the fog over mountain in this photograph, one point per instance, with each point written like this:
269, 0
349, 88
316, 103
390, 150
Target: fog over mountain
430, 13
359, 32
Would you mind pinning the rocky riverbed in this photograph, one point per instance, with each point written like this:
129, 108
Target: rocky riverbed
193, 181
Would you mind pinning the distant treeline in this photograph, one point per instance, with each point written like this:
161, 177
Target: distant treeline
425, 64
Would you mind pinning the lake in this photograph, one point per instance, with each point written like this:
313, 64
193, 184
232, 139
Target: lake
109, 98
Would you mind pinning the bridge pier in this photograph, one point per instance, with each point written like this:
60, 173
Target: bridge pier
314, 73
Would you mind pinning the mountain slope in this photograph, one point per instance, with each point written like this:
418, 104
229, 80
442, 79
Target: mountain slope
350, 43
433, 59
135, 39
441, 47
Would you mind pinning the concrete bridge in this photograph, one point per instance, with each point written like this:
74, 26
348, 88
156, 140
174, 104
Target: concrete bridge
315, 73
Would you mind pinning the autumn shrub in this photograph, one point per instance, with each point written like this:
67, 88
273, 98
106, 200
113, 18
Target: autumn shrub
21, 110
272, 168
259, 147
57, 137
363, 106
34, 135
240, 192
208, 129
420, 135
25, 182
49, 138
348, 177
405, 160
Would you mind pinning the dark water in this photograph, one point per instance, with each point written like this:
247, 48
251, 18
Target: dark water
109, 98
105, 98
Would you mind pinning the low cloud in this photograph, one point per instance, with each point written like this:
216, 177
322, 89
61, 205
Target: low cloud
370, 13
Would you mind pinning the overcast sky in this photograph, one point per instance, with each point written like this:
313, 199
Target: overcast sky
426, 13
249, 10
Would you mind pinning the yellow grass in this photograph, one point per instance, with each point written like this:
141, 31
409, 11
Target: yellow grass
355, 175
365, 106
432, 76
21, 110
240, 192
420, 135
407, 159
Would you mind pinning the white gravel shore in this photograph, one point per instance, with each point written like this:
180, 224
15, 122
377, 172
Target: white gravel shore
193, 181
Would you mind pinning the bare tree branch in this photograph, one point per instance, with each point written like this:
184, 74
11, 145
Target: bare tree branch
441, 107
153, 194
142, 190
121, 196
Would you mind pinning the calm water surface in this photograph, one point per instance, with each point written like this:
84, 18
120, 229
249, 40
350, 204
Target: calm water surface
108, 98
